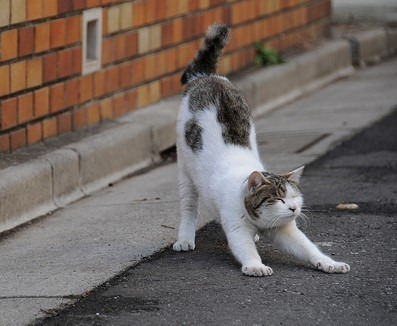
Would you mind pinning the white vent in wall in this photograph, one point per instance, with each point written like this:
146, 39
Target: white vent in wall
92, 40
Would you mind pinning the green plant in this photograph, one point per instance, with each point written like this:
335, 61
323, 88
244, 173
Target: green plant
266, 56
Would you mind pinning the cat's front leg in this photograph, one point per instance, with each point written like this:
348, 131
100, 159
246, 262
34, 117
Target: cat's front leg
292, 240
241, 241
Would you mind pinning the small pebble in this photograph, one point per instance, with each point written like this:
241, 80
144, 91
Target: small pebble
347, 206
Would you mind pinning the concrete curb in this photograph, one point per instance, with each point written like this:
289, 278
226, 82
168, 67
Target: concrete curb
69, 173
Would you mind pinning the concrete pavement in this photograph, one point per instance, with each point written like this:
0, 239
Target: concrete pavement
58, 259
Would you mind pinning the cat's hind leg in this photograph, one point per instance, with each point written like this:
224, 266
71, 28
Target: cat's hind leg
188, 197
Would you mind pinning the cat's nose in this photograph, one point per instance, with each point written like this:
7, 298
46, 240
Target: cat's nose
293, 209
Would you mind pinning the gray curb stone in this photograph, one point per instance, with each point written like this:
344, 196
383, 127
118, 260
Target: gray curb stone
65, 175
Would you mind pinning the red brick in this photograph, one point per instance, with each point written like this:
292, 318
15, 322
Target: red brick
41, 102
25, 108
137, 71
49, 128
99, 83
5, 143
150, 10
79, 118
26, 41
8, 113
131, 44
119, 48
34, 9
64, 122
71, 92
58, 32
4, 80
131, 100
76, 55
107, 51
65, 63
42, 37
49, 67
112, 79
166, 34
50, 8
56, 97
18, 76
139, 13
64, 6
18, 139
79, 4
73, 29
9, 44
86, 88
161, 10
125, 75
93, 114
93, 3
35, 133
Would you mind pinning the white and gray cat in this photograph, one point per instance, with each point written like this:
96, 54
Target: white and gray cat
220, 170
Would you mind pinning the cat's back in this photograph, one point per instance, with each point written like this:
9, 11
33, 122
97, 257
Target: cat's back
214, 112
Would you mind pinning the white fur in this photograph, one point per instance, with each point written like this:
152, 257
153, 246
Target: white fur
215, 178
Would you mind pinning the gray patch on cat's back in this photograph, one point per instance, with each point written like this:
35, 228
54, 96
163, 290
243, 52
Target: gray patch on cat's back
233, 111
193, 135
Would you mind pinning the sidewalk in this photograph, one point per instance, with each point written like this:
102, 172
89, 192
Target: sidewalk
58, 259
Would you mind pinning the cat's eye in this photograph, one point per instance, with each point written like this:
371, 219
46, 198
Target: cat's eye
282, 200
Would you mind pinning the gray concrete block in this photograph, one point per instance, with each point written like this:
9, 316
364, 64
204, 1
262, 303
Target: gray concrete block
391, 40
113, 154
66, 175
371, 46
25, 193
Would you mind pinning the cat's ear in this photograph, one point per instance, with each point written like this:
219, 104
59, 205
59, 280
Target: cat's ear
255, 180
295, 175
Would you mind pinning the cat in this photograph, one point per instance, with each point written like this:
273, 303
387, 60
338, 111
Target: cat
219, 168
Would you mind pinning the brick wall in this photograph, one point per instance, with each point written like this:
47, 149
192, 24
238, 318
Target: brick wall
146, 45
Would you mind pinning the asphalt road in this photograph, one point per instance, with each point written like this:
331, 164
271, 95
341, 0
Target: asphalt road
206, 287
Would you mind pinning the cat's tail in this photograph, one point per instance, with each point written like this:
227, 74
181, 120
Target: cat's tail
204, 62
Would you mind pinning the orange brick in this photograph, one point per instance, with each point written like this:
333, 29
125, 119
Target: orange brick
131, 100
50, 8
93, 114
172, 9
25, 108
49, 67
8, 113
166, 87
5, 12
150, 10
42, 37
64, 122
4, 80
85, 88
107, 51
5, 143
58, 32
56, 97
9, 44
65, 63
119, 105
119, 50
79, 4
106, 108
143, 96
79, 118
34, 9
138, 10
34, 132
49, 128
41, 102
18, 139
161, 10
18, 76
177, 30
112, 79
150, 67
18, 11
171, 60
73, 30
34, 72
71, 92
137, 71
93, 3
99, 83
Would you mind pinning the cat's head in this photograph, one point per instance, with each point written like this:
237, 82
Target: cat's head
272, 200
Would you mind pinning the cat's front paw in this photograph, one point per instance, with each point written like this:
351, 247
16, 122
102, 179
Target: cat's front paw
256, 269
184, 245
332, 267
